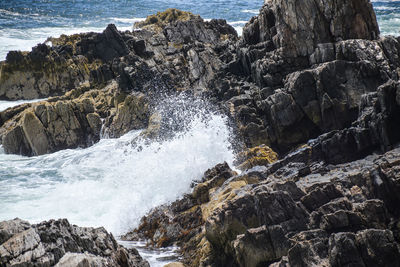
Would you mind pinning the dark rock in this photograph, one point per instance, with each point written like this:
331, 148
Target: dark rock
58, 243
298, 28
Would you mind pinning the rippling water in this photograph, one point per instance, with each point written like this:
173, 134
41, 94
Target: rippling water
388, 15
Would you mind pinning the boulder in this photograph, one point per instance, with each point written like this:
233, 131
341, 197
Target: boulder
58, 243
40, 73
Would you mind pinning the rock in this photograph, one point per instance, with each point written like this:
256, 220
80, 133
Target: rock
158, 21
40, 73
294, 60
75, 259
284, 214
35, 133
297, 29
247, 246
10, 228
58, 243
49, 127
73, 120
131, 114
378, 247
261, 155
174, 264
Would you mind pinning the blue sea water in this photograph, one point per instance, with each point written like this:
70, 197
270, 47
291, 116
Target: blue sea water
388, 15
24, 23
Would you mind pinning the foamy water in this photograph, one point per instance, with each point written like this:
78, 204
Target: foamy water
114, 183
8, 104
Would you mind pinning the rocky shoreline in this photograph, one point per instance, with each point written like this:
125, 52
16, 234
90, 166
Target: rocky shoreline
313, 81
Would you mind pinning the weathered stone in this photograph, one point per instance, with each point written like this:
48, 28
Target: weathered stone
57, 243
261, 155
132, 114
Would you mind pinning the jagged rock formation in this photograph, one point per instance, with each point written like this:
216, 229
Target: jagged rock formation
58, 243
297, 28
40, 73
302, 70
72, 120
124, 73
307, 65
295, 212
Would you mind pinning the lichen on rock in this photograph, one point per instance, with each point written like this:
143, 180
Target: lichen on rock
158, 21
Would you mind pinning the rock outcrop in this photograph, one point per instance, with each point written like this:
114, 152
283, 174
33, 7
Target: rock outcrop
297, 28
73, 120
295, 212
302, 70
58, 243
314, 81
124, 75
40, 73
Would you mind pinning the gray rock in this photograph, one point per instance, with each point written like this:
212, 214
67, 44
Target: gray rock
58, 243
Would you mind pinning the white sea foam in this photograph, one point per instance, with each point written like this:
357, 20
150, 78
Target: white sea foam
8, 104
127, 20
238, 26
239, 22
251, 11
113, 183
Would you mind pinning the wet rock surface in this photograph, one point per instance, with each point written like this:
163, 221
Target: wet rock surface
58, 243
304, 79
73, 120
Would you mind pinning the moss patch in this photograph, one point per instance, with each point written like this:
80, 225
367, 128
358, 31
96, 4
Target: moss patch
256, 156
158, 21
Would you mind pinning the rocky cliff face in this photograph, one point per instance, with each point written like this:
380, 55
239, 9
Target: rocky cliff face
123, 75
298, 27
58, 243
294, 212
302, 70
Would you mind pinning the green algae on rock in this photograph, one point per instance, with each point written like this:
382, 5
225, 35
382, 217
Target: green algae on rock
158, 21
